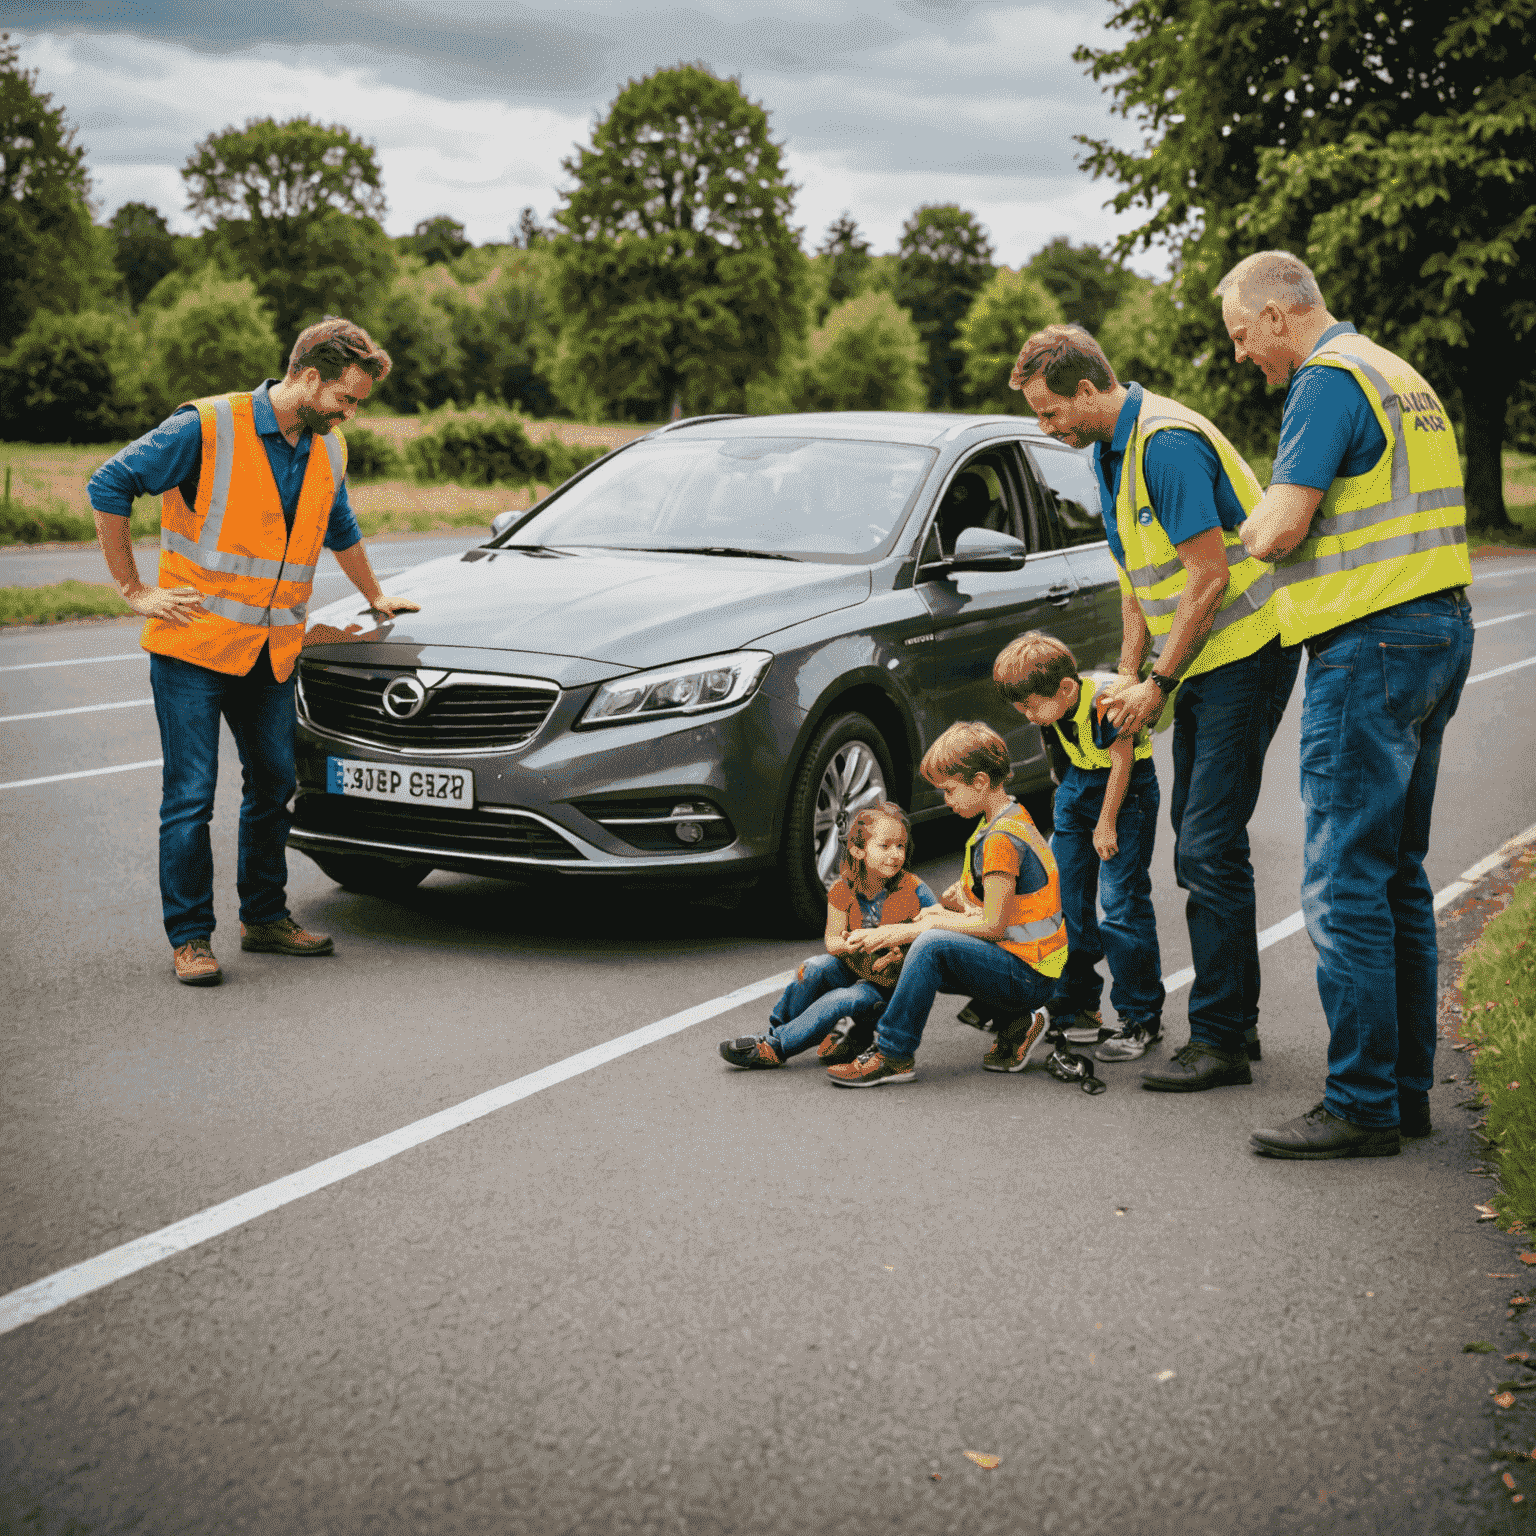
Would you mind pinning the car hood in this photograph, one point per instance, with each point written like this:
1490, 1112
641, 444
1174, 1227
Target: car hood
627, 608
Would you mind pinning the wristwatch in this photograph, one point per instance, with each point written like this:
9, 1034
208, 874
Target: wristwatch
1165, 685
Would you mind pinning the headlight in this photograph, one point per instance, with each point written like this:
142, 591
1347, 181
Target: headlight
691, 687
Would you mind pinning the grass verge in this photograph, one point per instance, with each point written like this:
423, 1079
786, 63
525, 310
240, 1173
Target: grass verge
1498, 988
63, 600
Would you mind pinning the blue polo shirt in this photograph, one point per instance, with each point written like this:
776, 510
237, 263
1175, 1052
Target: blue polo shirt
172, 455
1189, 490
1328, 428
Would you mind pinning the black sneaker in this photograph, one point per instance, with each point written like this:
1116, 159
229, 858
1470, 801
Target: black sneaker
1129, 1042
1085, 1027
1252, 1046
751, 1051
1196, 1067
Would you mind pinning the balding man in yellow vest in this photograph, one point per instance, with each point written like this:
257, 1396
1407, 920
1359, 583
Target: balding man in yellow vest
1366, 523
252, 484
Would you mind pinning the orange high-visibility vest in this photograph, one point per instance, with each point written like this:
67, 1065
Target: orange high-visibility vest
235, 547
1037, 926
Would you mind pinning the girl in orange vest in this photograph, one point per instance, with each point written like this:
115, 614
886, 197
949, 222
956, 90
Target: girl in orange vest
876, 889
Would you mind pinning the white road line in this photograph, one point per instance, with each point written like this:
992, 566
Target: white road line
1514, 666
85, 773
79, 709
54, 1291
78, 661
1503, 618
43, 1296
1519, 570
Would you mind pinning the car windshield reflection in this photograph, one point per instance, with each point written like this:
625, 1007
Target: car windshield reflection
795, 498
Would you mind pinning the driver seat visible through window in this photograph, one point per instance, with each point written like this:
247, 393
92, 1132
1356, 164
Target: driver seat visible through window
972, 501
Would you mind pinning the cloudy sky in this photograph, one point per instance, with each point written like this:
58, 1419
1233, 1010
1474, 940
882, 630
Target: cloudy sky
472, 104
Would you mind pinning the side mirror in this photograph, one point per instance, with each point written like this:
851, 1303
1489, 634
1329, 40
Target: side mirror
983, 549
502, 521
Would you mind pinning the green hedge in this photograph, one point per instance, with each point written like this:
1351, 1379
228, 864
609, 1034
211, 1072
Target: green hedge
492, 450
371, 457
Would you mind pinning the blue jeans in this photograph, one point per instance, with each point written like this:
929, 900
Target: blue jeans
1127, 937
1379, 694
1223, 723
824, 990
942, 961
189, 702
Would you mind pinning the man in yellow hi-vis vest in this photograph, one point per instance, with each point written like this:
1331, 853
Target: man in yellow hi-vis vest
1365, 519
1174, 493
251, 486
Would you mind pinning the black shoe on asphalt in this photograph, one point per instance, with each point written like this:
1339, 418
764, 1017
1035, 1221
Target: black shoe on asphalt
751, 1052
1196, 1067
1252, 1046
1414, 1120
1319, 1134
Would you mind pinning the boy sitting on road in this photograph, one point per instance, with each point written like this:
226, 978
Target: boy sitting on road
998, 933
1105, 825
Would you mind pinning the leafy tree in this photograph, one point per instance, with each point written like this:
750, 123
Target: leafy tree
439, 239
1085, 282
945, 259
215, 337
49, 254
503, 328
1393, 149
298, 204
417, 332
848, 257
1010, 309
677, 272
73, 379
143, 248
868, 356
1134, 336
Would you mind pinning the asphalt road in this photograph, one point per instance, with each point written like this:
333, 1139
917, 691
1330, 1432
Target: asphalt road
662, 1296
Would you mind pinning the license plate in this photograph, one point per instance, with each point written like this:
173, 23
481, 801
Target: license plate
450, 787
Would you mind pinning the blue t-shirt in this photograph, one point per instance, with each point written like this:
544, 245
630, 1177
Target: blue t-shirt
1328, 428
172, 455
872, 906
1189, 490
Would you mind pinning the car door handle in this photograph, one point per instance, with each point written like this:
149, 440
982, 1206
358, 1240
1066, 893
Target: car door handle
1060, 594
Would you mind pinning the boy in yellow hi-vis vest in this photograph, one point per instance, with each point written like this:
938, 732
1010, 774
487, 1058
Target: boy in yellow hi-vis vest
1174, 493
1366, 523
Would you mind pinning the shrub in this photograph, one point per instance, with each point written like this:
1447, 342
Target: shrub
867, 357
492, 449
215, 337
73, 379
1007, 312
371, 457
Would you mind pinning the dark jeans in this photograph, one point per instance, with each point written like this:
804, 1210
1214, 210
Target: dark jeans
1379, 694
942, 961
189, 702
824, 990
1127, 937
1223, 723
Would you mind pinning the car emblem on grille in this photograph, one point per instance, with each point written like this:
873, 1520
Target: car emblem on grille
403, 697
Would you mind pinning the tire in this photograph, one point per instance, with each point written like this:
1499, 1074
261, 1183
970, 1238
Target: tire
846, 769
371, 877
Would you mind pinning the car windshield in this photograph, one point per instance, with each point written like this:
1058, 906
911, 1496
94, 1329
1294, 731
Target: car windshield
797, 498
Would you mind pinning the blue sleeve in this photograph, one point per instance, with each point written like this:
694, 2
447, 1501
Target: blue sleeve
342, 531
1328, 430
925, 897
150, 466
1189, 490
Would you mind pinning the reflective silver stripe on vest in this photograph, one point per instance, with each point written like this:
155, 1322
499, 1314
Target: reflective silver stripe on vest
1154, 606
1036, 932
1385, 511
223, 471
1243, 606
1416, 543
263, 618
337, 455
221, 560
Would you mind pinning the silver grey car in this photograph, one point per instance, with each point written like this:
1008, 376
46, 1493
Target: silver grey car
697, 658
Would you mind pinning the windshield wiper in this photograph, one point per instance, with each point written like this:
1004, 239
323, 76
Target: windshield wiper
716, 549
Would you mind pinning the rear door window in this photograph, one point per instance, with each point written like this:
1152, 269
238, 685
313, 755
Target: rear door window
1074, 490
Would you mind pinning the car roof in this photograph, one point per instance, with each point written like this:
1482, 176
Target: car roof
925, 427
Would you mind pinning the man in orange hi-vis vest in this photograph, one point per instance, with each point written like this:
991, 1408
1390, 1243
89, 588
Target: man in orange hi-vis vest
251, 486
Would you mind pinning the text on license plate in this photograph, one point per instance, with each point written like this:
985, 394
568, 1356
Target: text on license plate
415, 786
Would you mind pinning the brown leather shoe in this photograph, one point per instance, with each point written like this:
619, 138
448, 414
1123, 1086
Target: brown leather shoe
195, 965
284, 937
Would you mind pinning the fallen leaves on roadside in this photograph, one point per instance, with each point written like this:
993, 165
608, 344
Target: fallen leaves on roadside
1520, 1355
1528, 1258
1509, 1481
1504, 1399
982, 1459
937, 1477
1519, 1301
1485, 1213
1500, 1276
1513, 1086
1166, 1375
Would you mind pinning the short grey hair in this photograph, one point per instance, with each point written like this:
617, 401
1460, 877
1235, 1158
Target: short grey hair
1273, 275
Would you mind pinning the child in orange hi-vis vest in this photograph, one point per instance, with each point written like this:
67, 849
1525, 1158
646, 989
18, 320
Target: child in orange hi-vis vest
999, 932
875, 889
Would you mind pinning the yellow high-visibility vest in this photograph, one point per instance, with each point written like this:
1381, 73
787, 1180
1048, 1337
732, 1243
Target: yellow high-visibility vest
235, 547
1085, 753
1153, 571
1397, 532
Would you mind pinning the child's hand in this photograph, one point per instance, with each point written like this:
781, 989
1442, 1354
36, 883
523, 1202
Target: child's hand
1105, 843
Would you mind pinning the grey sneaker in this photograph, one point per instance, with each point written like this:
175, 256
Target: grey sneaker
1129, 1042
1081, 1028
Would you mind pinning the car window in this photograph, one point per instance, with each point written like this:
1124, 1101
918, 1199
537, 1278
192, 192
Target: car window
807, 498
1037, 504
1075, 488
981, 494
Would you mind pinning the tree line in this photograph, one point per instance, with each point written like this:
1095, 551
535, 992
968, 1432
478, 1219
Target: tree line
1395, 152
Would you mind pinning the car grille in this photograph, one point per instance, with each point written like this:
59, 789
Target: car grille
466, 712
506, 835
